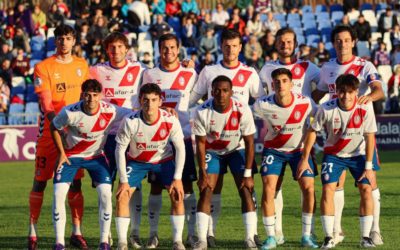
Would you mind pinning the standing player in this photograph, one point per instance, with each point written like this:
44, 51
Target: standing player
148, 132
286, 114
121, 79
219, 126
245, 83
350, 127
176, 83
86, 124
304, 74
344, 39
58, 82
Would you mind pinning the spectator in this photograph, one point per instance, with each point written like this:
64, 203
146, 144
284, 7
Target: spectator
21, 40
38, 18
253, 52
304, 52
125, 7
190, 6
5, 52
4, 100
255, 26
83, 36
393, 92
147, 60
207, 60
20, 64
189, 32
236, 23
54, 17
249, 14
209, 43
6, 72
8, 35
138, 14
159, 28
322, 54
381, 56
353, 15
114, 4
363, 29
395, 57
173, 8
63, 7
219, 17
116, 22
243, 4
23, 19
262, 6
292, 6
271, 23
158, 7
348, 5
278, 6
395, 35
267, 43
206, 24
387, 21
98, 30
345, 20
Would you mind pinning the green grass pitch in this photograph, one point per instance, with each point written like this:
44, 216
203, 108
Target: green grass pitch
16, 181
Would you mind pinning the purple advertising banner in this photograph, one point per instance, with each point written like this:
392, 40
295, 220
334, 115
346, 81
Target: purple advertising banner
17, 143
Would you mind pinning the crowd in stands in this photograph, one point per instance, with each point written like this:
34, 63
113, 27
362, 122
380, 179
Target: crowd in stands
27, 37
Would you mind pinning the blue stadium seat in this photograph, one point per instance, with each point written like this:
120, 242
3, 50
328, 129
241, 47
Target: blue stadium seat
366, 6
299, 31
308, 16
294, 24
51, 43
323, 16
337, 16
293, 17
326, 34
15, 114
311, 31
380, 6
175, 23
31, 113
336, 7
279, 16
301, 39
30, 95
324, 24
320, 8
309, 24
312, 40
306, 9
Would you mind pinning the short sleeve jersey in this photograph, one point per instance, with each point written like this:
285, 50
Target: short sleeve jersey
345, 129
150, 143
303, 74
120, 85
286, 126
223, 131
176, 86
86, 134
364, 70
63, 80
245, 81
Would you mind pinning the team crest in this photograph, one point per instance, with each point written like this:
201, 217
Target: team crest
163, 133
326, 177
297, 115
38, 82
297, 71
79, 72
181, 81
234, 121
241, 78
129, 77
102, 123
357, 120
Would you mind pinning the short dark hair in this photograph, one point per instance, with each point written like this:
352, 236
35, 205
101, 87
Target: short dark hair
281, 71
167, 37
347, 81
284, 31
113, 37
63, 30
221, 78
343, 28
91, 85
149, 88
229, 34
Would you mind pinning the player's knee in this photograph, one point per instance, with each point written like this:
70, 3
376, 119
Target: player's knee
156, 189
39, 186
328, 190
122, 206
365, 190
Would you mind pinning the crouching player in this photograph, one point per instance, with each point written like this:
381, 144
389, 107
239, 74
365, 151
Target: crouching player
219, 125
287, 115
350, 129
86, 125
148, 132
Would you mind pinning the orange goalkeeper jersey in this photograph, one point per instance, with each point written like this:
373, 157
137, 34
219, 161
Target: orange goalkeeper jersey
58, 84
